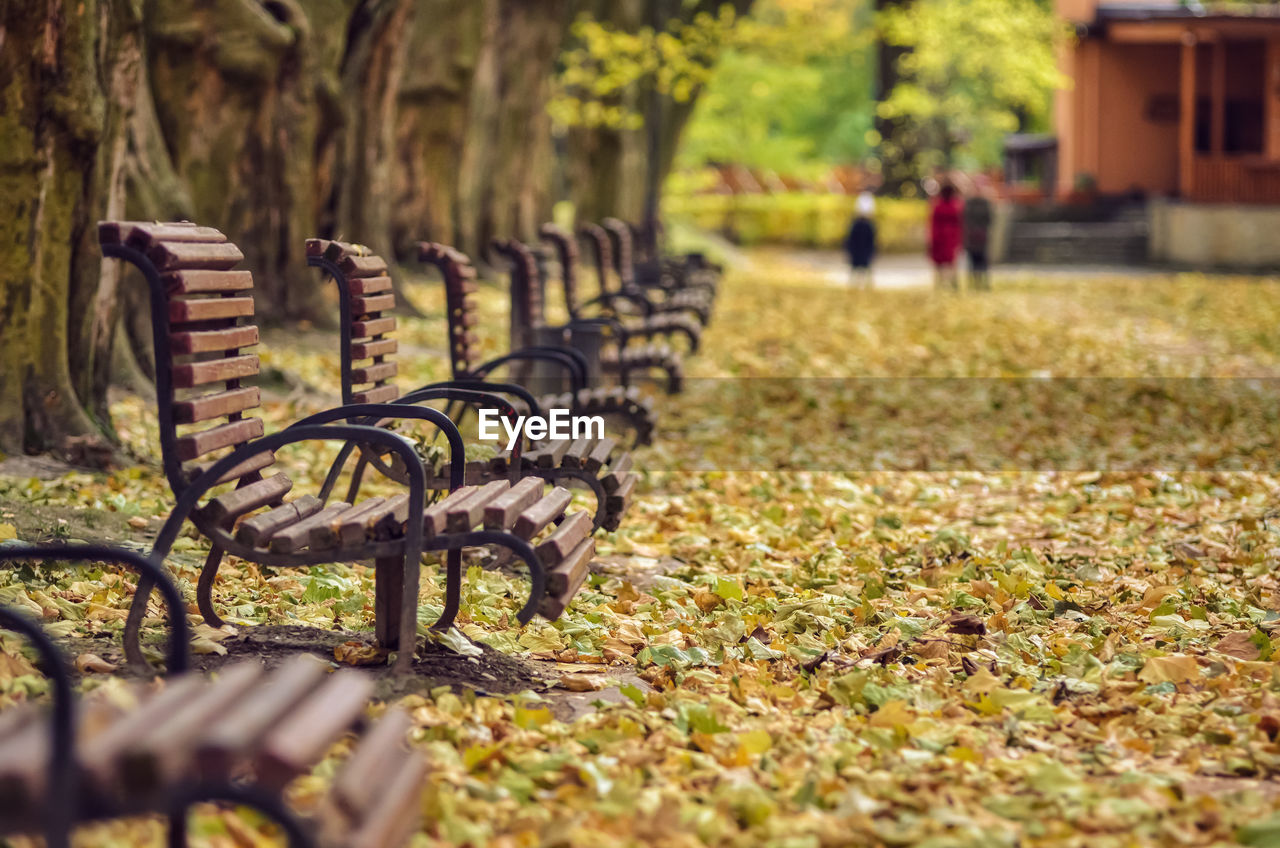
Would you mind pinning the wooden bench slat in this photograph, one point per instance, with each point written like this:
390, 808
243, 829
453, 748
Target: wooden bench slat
618, 474
390, 523
553, 453
293, 745
257, 462
502, 510
230, 736
369, 285
463, 515
174, 255
567, 580
99, 754
356, 524
365, 775
295, 537
368, 350
329, 534
599, 454
374, 373
209, 309
395, 816
378, 394
197, 282
256, 530
617, 500
191, 374
363, 266
434, 517
246, 499
208, 341
565, 538
216, 405
160, 754
542, 513
365, 305
374, 327
576, 455
197, 445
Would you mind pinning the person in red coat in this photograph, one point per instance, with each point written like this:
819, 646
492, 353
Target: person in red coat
945, 234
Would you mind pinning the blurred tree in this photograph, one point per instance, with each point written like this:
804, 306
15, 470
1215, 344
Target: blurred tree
971, 72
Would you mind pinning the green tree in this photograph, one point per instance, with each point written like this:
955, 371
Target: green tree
972, 71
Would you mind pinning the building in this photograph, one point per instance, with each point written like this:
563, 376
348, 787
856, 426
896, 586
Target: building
1179, 104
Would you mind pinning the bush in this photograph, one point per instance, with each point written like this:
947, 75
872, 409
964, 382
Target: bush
800, 220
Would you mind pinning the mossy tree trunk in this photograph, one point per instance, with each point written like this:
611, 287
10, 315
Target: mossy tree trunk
61, 162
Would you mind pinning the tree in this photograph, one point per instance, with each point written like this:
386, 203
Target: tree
971, 72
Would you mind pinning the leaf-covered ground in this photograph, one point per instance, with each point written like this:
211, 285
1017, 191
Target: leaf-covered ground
835, 655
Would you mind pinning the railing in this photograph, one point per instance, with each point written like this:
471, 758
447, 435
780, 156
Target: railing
1223, 179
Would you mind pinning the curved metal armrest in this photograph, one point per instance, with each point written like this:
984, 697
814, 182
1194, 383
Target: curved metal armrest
494, 388
607, 300
615, 326
177, 657
575, 367
367, 415
471, 397
308, 430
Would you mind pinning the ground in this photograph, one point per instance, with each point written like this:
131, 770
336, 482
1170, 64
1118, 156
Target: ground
795, 640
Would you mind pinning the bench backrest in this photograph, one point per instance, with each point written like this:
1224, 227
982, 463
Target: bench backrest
365, 296
459, 291
623, 258
596, 236
566, 248
527, 308
201, 319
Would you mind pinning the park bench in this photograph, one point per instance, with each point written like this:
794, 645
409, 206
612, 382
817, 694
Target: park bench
239, 738
214, 451
666, 325
625, 404
662, 272
617, 359
367, 352
612, 250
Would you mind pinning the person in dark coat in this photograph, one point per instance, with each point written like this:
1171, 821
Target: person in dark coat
977, 239
860, 243
944, 236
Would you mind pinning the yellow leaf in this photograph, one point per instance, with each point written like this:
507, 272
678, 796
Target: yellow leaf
893, 714
7, 532
1175, 668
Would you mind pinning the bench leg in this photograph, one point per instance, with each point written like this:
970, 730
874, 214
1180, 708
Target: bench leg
452, 590
204, 588
388, 598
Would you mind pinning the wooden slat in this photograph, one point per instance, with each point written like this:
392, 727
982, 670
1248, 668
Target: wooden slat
368, 350
378, 394
257, 462
247, 498
365, 774
196, 282
207, 341
395, 816
15, 718
317, 247
567, 579
294, 745
162, 754
576, 455
216, 405
465, 514
390, 524
171, 256
209, 309
363, 266
330, 534
618, 500
618, 473
193, 374
372, 303
566, 537
224, 435
542, 513
99, 755
357, 525
294, 537
368, 285
551, 455
374, 373
141, 234
256, 530
231, 735
24, 761
599, 454
502, 510
434, 517
377, 326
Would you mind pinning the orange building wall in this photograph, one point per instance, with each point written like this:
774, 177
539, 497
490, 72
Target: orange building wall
1136, 151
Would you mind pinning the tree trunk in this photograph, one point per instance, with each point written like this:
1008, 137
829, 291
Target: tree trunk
61, 164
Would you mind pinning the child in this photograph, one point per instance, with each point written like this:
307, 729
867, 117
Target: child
860, 244
977, 228
944, 236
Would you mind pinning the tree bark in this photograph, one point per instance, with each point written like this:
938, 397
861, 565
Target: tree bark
61, 161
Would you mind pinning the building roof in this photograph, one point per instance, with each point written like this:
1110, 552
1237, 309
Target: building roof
1192, 10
